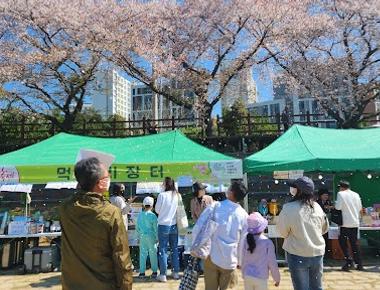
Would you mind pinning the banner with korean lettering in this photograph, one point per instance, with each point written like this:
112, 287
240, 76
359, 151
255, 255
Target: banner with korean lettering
201, 171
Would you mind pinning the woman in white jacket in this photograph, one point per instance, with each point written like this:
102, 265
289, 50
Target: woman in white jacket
302, 223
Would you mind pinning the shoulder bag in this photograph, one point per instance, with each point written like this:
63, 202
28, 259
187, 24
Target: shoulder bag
202, 242
182, 222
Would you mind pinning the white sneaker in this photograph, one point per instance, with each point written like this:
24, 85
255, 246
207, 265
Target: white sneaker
162, 278
175, 276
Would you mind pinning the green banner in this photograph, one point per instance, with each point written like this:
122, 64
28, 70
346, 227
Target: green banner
202, 171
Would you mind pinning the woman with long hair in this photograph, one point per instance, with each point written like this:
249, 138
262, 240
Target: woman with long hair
166, 208
302, 223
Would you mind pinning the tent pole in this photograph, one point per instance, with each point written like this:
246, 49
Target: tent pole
245, 181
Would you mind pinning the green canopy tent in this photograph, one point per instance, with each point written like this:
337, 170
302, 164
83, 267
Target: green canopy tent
148, 158
319, 150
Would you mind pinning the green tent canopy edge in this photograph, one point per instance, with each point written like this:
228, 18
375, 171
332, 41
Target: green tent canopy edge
318, 150
146, 158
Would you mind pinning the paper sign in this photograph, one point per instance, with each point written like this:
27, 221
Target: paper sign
27, 188
148, 187
104, 158
292, 174
17, 228
226, 170
60, 185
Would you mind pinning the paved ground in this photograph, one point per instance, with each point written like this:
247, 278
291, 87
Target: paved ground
333, 280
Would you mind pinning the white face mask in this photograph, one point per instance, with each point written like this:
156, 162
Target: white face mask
293, 191
105, 184
108, 183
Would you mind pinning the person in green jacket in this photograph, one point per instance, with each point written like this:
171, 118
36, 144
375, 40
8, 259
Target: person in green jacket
95, 251
147, 230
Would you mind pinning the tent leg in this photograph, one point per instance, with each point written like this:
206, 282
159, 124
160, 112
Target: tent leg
245, 181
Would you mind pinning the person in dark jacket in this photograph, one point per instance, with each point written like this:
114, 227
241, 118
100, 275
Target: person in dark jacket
324, 200
326, 204
95, 251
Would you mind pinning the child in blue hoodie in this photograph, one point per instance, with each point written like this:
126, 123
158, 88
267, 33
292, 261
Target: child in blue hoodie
147, 230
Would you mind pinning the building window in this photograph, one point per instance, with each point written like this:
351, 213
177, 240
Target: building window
146, 91
148, 103
137, 103
274, 109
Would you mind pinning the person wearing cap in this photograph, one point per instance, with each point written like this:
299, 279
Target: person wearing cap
147, 230
118, 200
302, 223
350, 204
257, 255
200, 201
220, 267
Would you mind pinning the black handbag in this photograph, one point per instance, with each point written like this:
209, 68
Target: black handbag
190, 276
336, 216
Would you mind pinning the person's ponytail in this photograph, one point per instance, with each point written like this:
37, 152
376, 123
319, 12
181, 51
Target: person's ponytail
251, 242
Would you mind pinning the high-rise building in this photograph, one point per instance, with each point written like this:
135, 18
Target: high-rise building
115, 95
143, 102
152, 106
241, 86
112, 94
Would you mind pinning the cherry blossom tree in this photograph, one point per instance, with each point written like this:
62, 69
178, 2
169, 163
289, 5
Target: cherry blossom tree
335, 58
47, 57
202, 44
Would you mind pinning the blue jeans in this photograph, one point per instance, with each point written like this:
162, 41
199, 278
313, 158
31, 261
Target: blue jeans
168, 235
306, 272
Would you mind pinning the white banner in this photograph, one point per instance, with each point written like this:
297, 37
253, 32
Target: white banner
226, 170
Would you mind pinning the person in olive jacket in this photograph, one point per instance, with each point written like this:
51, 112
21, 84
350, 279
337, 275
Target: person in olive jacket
95, 251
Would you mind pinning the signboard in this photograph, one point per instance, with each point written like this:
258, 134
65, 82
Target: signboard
227, 169
148, 187
292, 174
9, 175
200, 171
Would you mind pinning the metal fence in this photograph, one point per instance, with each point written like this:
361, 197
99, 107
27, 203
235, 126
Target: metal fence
21, 132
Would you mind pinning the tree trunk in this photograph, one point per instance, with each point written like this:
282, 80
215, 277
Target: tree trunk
207, 120
68, 123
